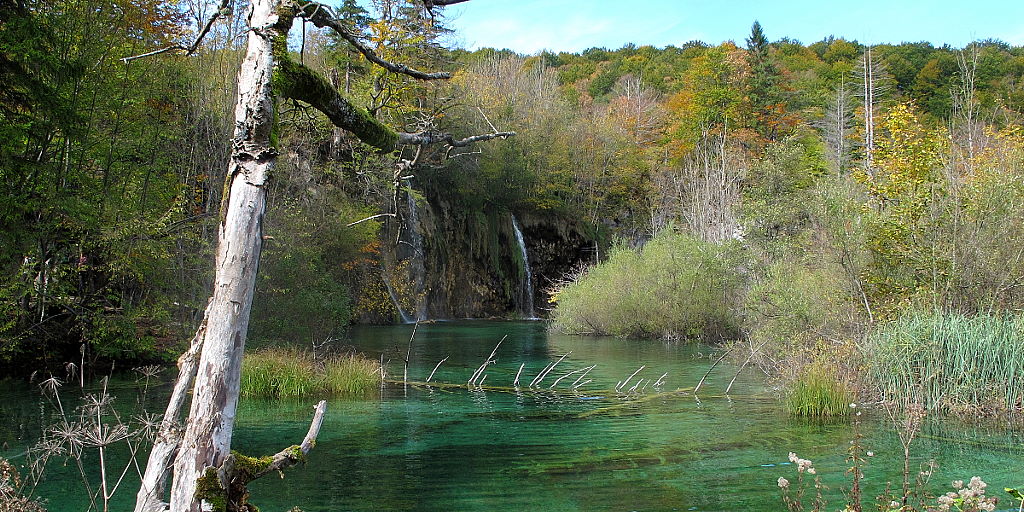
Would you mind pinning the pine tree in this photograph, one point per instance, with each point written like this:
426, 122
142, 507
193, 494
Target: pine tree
763, 87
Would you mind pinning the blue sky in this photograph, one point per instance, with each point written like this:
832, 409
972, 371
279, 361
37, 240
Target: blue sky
529, 26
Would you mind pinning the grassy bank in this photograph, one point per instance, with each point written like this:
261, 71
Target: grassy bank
288, 373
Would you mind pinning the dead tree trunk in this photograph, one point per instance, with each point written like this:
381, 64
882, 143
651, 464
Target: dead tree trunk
207, 438
267, 70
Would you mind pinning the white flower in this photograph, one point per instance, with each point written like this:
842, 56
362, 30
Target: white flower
976, 484
957, 484
871, 453
783, 483
811, 471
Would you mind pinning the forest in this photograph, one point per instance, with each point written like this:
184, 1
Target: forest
843, 222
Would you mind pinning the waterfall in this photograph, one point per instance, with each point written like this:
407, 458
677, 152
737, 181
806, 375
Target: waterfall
527, 286
394, 299
417, 267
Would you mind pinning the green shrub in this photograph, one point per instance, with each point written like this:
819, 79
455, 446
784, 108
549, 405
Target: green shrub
290, 373
949, 362
675, 286
793, 306
304, 287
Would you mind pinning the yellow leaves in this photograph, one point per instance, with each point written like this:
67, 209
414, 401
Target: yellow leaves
1003, 153
908, 157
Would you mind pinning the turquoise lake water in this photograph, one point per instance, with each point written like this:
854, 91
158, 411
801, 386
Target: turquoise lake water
440, 449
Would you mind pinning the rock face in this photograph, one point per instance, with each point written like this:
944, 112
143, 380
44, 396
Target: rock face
451, 263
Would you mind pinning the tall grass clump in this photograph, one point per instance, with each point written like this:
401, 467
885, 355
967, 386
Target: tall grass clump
817, 392
674, 287
351, 375
950, 362
291, 373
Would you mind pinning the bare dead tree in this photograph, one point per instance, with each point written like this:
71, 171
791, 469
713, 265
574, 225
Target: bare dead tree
872, 75
836, 127
965, 125
202, 449
703, 193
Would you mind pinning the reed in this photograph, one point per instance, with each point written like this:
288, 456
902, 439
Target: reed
950, 362
351, 375
291, 373
817, 393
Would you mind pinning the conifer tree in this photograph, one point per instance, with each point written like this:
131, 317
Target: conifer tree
763, 88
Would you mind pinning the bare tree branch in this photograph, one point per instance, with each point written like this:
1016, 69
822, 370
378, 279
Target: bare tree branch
322, 16
432, 137
288, 457
222, 10
441, 3
371, 217
237, 471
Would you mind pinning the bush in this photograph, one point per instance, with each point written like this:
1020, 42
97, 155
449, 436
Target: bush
797, 315
290, 373
13, 497
949, 362
675, 286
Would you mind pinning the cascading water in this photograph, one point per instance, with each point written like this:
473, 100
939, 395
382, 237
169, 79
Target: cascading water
527, 286
417, 267
394, 299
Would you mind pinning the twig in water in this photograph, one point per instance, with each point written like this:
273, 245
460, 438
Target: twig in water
515, 383
490, 360
540, 378
408, 353
564, 376
534, 381
701, 383
660, 380
618, 387
733, 381
438, 365
742, 366
584, 383
578, 379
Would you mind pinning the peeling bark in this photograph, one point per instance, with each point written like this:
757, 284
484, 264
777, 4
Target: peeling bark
207, 438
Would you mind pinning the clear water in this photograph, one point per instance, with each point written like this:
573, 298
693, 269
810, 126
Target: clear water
422, 448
